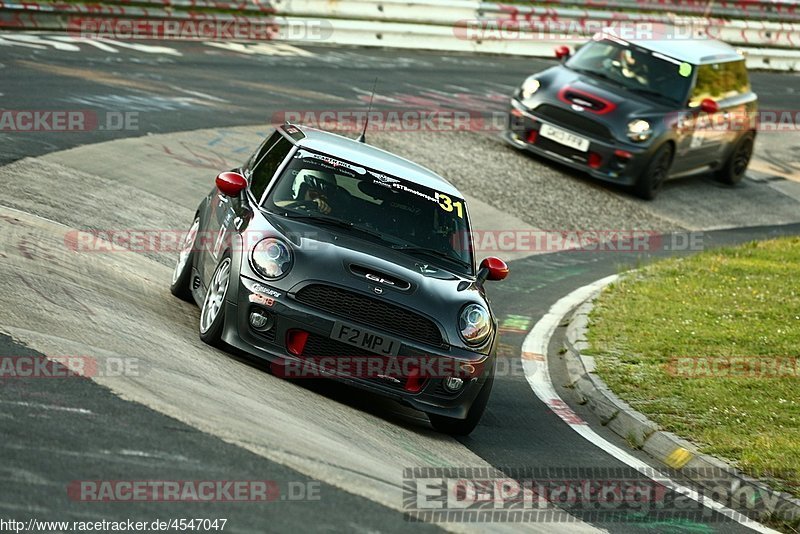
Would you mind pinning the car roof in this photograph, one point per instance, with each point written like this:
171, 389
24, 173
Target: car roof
697, 51
368, 156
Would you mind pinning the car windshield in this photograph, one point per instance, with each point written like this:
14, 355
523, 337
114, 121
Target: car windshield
634, 68
422, 222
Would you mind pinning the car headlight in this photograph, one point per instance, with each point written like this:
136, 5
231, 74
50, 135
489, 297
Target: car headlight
474, 324
639, 130
529, 87
271, 258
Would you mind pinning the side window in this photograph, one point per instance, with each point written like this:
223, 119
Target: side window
737, 81
266, 145
719, 81
268, 162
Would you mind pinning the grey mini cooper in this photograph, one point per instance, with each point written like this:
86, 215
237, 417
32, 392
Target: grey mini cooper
329, 257
638, 112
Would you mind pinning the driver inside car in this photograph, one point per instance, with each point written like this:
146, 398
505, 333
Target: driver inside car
630, 65
315, 190
319, 188
633, 67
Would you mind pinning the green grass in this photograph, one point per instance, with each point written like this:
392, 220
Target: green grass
733, 302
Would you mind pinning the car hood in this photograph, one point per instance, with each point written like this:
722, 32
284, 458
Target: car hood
610, 103
328, 255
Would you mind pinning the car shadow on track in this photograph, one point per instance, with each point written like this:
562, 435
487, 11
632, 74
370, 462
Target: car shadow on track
696, 203
707, 179
356, 398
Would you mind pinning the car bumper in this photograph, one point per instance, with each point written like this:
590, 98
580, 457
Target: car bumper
606, 159
427, 393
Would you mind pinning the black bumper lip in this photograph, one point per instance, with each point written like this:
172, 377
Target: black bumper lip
293, 315
627, 175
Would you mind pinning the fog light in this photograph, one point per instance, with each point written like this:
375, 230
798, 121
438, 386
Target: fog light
453, 383
595, 160
260, 320
296, 341
532, 135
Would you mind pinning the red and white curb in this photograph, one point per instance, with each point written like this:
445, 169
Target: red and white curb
534, 364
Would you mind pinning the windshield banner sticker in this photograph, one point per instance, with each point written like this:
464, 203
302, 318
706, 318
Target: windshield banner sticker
395, 183
383, 179
335, 163
390, 182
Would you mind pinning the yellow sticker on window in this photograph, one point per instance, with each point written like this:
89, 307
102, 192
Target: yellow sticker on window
447, 204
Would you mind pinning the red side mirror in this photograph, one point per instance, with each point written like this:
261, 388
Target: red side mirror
562, 52
497, 268
231, 183
709, 106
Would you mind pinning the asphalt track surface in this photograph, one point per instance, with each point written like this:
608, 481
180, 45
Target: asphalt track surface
57, 431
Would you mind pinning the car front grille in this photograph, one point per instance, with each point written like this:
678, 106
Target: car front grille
319, 348
551, 146
270, 334
371, 312
574, 121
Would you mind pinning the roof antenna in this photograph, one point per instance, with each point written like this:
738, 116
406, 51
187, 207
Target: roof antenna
363, 137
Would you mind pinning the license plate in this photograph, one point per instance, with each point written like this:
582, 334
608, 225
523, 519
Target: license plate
564, 137
365, 339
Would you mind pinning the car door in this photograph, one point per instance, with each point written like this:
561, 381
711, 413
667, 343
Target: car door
220, 215
705, 136
737, 105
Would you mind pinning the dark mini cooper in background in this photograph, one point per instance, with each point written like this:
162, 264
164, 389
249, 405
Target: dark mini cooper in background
329, 257
636, 112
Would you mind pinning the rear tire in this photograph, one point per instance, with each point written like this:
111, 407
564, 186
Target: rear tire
655, 174
212, 313
182, 275
463, 427
735, 167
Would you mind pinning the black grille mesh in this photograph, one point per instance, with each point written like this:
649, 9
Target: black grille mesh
319, 347
574, 121
371, 312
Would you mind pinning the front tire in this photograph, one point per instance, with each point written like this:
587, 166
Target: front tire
736, 166
463, 427
655, 174
212, 313
182, 274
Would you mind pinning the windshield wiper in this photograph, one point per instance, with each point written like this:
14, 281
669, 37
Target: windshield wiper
649, 92
639, 90
333, 221
599, 75
431, 252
